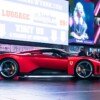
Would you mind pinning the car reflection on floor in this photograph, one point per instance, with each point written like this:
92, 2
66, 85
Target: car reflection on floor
41, 88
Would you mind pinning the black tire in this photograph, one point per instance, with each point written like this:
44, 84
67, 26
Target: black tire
84, 69
8, 68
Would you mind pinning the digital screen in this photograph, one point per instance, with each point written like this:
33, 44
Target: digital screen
97, 22
97, 30
45, 21
81, 22
97, 8
16, 48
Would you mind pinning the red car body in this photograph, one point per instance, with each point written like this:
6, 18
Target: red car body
51, 59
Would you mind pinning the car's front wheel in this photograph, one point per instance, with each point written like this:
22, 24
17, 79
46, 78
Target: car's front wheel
84, 69
8, 68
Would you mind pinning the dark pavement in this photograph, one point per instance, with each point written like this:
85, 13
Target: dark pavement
50, 89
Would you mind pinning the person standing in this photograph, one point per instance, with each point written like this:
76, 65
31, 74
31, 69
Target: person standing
82, 52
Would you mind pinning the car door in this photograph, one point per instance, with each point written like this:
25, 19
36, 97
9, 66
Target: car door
47, 60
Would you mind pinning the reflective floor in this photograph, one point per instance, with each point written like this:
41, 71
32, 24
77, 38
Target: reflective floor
50, 89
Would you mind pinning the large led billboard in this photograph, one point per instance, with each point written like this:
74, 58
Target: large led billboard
81, 22
43, 21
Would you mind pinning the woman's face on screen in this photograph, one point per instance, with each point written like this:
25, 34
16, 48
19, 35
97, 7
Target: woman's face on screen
79, 8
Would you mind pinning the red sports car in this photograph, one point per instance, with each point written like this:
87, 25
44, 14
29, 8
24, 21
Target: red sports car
30, 62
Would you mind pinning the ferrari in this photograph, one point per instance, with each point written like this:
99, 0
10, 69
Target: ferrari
43, 60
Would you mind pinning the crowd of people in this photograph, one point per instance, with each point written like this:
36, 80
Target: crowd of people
93, 54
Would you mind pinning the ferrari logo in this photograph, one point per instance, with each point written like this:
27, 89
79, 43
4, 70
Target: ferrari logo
71, 62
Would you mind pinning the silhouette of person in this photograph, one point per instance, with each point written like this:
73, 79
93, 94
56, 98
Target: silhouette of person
82, 52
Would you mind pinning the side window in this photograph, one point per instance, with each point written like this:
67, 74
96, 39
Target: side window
52, 54
35, 53
56, 55
47, 53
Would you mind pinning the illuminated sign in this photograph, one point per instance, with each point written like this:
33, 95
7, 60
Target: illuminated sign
44, 21
97, 22
81, 22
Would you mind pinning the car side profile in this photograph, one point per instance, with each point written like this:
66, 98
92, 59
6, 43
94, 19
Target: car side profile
28, 62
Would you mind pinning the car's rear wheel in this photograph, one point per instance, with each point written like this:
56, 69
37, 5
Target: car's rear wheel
84, 69
8, 68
